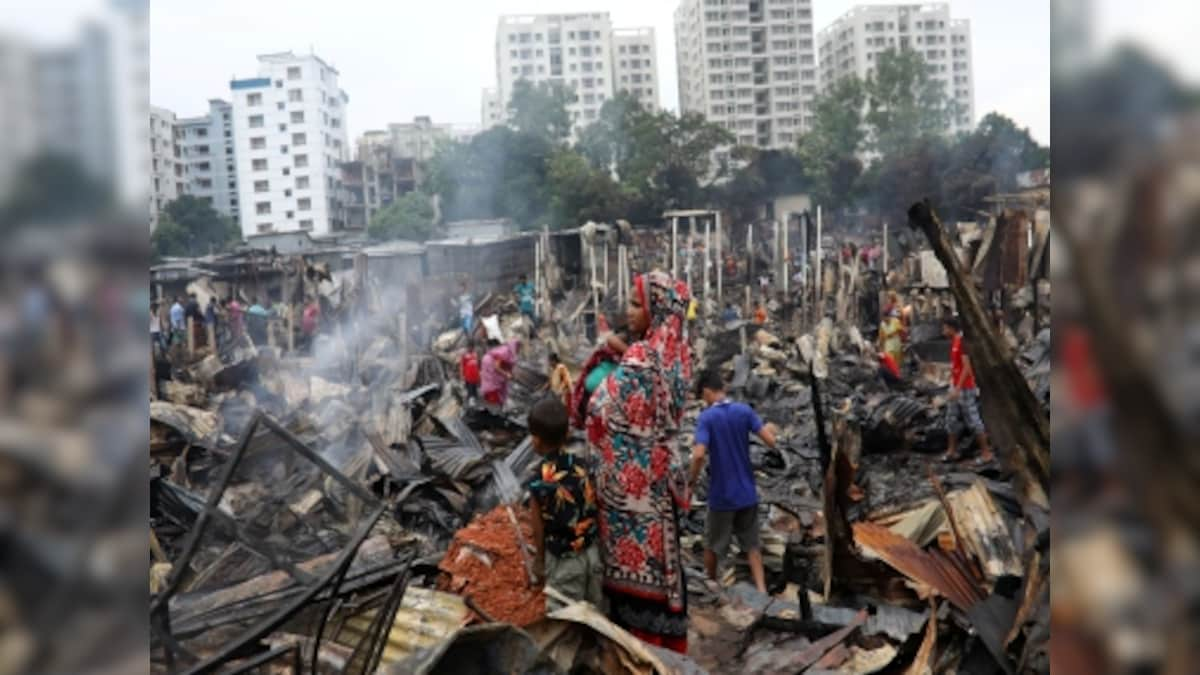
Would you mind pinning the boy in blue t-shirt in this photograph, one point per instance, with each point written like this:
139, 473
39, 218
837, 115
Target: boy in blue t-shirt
723, 431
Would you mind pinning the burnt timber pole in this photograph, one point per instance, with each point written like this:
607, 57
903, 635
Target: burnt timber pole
998, 376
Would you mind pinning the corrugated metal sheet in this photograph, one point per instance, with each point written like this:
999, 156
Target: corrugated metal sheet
945, 573
426, 617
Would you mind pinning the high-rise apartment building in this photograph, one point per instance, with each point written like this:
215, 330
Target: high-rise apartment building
207, 148
578, 51
748, 65
166, 164
289, 132
851, 46
635, 64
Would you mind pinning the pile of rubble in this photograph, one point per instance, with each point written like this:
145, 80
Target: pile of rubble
348, 510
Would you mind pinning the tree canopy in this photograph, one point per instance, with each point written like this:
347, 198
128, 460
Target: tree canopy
905, 105
541, 109
410, 217
190, 226
830, 150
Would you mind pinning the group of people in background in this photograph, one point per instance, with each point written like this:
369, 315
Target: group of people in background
228, 320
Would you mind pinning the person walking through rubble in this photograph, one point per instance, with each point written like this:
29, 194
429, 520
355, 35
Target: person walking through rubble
525, 292
563, 505
633, 418
723, 431
497, 370
177, 315
891, 337
962, 410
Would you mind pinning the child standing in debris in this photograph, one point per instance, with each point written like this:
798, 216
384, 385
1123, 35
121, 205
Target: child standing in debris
963, 407
469, 367
563, 506
723, 431
560, 380
760, 314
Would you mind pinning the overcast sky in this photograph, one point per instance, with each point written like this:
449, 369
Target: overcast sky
403, 58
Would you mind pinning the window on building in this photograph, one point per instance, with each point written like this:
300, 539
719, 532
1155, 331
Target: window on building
306, 224
259, 164
256, 121
297, 117
301, 161
264, 227
295, 95
262, 208
258, 143
254, 100
262, 186
301, 182
299, 139
304, 204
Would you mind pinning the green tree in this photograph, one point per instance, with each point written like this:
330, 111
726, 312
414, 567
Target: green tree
608, 143
905, 105
986, 161
410, 217
541, 109
830, 149
193, 229
580, 192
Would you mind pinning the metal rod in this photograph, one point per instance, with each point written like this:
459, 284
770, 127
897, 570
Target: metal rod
787, 254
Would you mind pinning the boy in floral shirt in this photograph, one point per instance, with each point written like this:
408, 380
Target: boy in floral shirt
564, 510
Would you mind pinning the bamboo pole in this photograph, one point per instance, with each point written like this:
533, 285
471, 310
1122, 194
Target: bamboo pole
211, 334
786, 256
191, 336
720, 260
595, 296
819, 290
885, 253
691, 243
291, 328
606, 269
707, 243
674, 246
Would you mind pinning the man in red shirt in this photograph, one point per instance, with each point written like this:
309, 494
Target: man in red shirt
962, 409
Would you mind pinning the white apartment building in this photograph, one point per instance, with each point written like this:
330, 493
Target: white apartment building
490, 111
207, 149
852, 44
748, 65
576, 50
166, 164
289, 133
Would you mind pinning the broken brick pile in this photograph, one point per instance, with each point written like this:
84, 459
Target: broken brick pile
484, 563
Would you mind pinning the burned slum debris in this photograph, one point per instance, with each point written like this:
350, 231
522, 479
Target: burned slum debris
339, 501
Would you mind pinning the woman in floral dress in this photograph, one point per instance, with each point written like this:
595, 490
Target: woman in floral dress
633, 418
